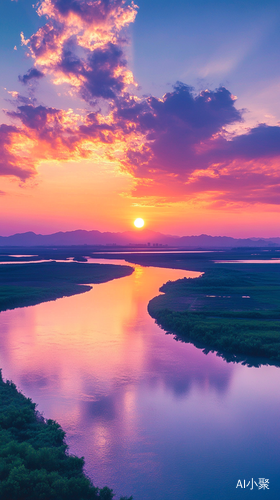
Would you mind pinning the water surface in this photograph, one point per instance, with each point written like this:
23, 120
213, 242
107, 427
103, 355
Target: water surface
153, 417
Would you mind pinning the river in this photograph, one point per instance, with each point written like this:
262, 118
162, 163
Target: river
154, 418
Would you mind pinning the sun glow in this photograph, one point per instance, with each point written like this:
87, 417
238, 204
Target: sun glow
139, 223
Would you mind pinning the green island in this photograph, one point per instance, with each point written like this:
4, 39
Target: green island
29, 284
232, 309
34, 459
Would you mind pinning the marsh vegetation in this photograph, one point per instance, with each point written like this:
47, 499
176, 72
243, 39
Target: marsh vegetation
29, 284
232, 310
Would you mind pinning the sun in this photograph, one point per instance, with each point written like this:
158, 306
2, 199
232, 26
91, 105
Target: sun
139, 222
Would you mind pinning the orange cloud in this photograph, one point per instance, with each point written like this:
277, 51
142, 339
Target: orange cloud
175, 148
58, 135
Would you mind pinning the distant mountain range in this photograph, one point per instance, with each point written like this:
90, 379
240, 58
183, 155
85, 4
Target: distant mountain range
132, 238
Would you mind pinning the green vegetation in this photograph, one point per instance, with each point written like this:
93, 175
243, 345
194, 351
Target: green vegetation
29, 284
34, 460
234, 310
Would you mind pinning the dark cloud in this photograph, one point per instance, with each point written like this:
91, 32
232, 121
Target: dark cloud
198, 116
175, 127
35, 117
44, 124
98, 73
262, 141
186, 151
31, 74
100, 78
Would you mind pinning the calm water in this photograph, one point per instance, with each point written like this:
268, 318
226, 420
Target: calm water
153, 417
250, 261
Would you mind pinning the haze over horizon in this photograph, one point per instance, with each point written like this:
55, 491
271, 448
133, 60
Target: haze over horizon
144, 237
112, 111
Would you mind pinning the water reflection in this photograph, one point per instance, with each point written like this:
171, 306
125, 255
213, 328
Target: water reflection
153, 417
250, 261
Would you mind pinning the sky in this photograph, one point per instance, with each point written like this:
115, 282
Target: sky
113, 110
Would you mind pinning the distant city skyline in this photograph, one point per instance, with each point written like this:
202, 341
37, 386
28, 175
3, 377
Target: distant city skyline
112, 111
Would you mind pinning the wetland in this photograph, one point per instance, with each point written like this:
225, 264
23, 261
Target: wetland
153, 417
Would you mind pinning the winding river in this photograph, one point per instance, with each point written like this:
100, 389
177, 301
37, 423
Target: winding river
154, 418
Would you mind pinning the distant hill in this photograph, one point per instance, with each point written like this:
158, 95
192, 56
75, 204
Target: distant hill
142, 237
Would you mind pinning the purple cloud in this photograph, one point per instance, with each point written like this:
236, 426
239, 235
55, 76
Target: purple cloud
97, 74
175, 147
262, 141
49, 133
187, 152
82, 45
34, 117
31, 74
45, 42
175, 127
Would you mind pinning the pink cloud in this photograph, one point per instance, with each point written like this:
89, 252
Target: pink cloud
186, 150
51, 134
82, 45
176, 147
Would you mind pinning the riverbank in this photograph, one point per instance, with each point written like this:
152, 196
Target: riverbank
232, 310
26, 284
34, 459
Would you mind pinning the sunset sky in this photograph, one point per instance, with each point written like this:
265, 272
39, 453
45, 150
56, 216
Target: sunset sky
168, 111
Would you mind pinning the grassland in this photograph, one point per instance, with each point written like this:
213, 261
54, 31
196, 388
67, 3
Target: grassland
233, 309
29, 284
